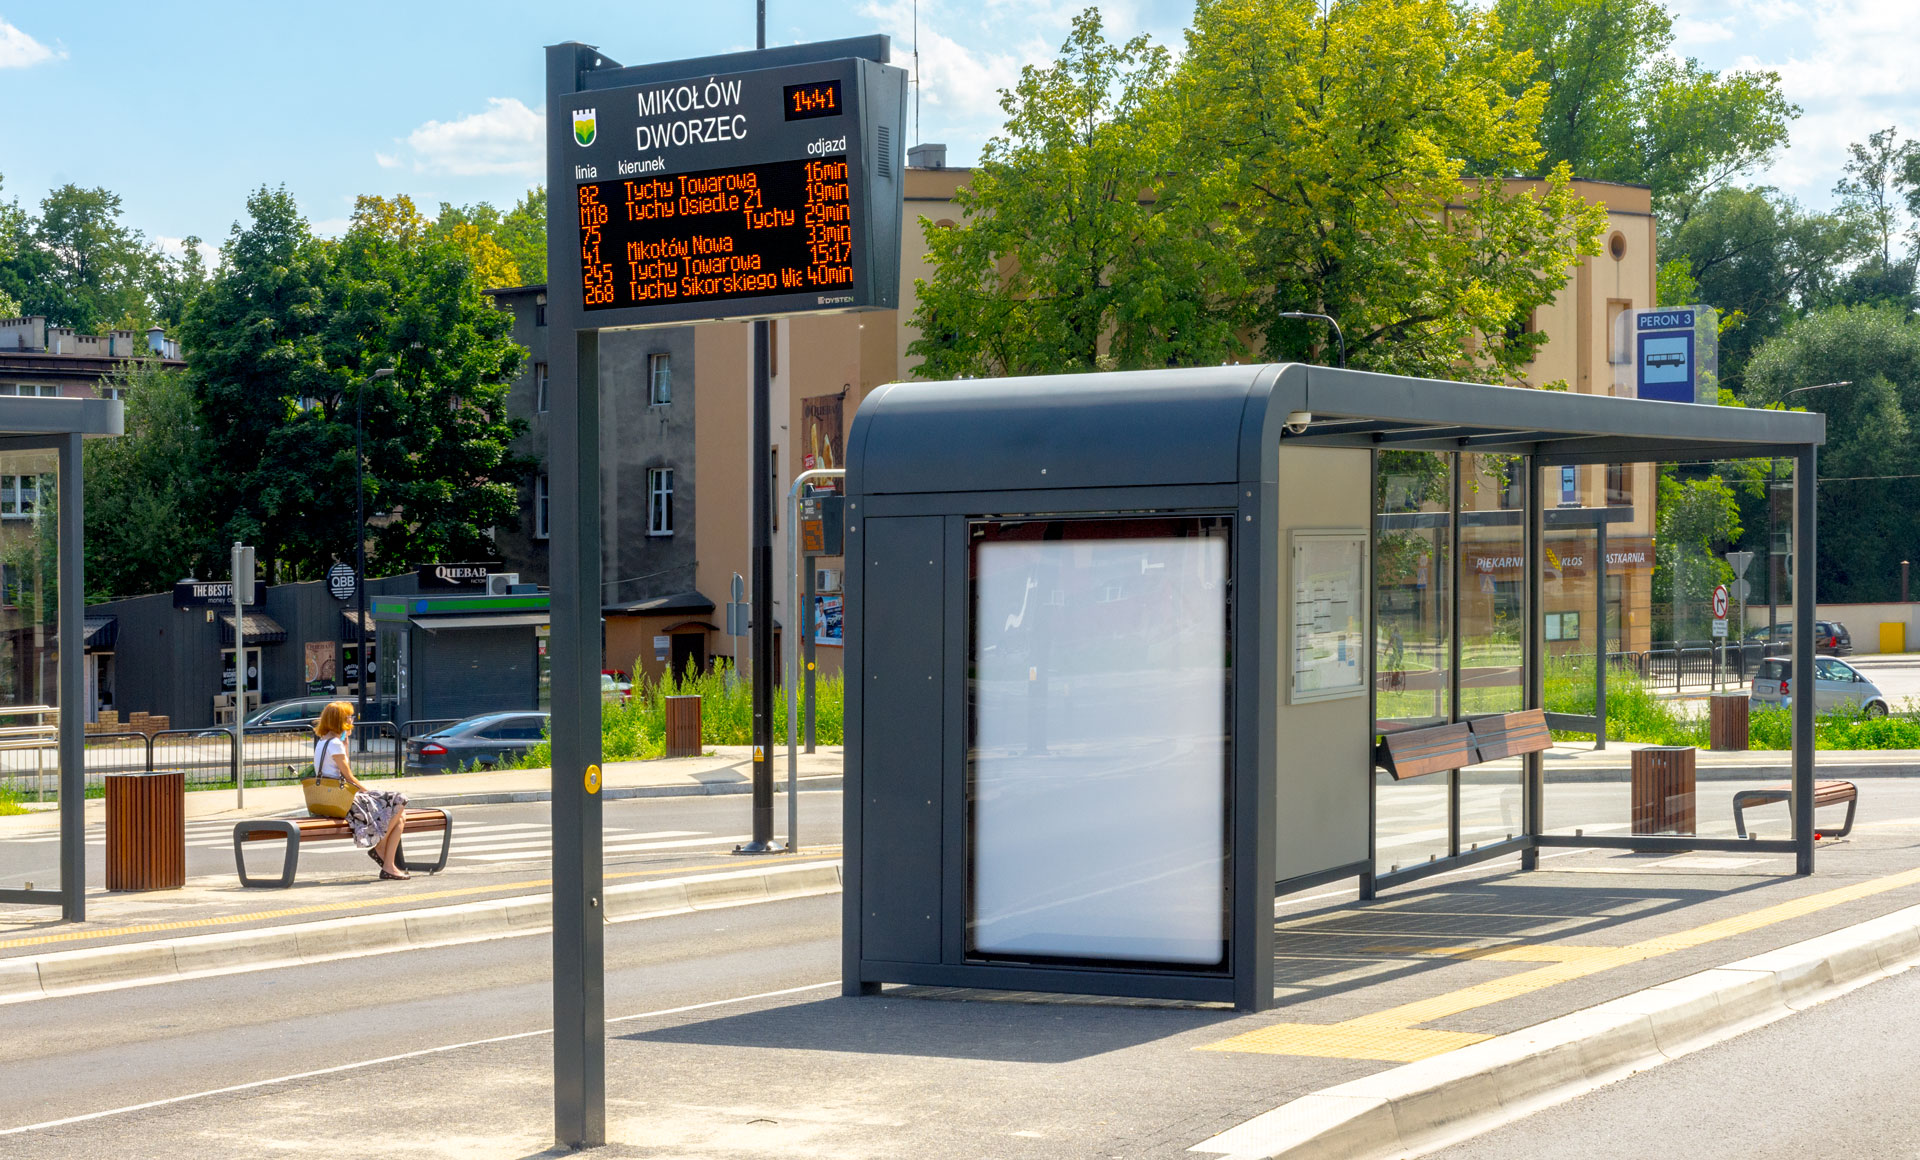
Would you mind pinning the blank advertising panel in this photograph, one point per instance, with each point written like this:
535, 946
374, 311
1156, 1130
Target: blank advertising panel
1098, 756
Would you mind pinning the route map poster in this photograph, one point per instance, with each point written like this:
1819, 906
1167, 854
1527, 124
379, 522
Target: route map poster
1329, 615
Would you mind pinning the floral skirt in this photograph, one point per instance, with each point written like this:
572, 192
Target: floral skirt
371, 813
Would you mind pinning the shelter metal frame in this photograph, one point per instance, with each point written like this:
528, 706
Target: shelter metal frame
1196, 442
62, 425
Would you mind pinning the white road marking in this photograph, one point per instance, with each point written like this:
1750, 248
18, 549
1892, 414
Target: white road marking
365, 1063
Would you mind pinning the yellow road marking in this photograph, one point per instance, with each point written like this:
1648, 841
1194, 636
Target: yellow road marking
335, 907
1394, 1034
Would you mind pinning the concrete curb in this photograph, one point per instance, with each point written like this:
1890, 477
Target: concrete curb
828, 781
1588, 772
137, 964
1421, 1107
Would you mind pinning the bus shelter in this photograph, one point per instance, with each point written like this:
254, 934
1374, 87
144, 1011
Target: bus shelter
43, 635
1121, 650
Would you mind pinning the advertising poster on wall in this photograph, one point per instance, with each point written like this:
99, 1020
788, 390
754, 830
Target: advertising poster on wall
322, 666
826, 621
823, 444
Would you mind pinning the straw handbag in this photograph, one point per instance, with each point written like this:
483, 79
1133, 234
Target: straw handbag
327, 797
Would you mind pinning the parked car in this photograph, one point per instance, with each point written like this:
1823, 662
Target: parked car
1830, 637
296, 713
476, 743
1835, 683
614, 686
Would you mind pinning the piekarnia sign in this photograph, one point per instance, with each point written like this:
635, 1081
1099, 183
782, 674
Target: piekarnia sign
441, 577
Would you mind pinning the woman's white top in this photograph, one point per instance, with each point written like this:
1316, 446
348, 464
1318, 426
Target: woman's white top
324, 749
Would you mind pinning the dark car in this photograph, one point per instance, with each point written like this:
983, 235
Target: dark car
1830, 637
476, 743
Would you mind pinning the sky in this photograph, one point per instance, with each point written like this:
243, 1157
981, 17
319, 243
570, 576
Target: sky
183, 109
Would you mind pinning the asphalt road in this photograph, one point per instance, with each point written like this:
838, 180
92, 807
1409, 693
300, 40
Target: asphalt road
503, 842
82, 1054
1833, 1081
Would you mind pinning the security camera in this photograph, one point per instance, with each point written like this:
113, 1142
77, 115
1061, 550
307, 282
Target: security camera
1297, 421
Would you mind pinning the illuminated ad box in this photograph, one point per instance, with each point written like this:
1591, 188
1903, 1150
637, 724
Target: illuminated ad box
739, 195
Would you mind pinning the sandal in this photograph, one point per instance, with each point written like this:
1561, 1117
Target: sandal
394, 877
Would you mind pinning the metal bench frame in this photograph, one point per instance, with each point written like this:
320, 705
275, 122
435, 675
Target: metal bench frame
1761, 797
290, 827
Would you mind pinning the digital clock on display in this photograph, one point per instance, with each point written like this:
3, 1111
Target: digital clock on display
822, 99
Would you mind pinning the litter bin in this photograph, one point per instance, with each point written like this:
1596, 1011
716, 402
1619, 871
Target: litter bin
1727, 721
1663, 790
146, 831
683, 726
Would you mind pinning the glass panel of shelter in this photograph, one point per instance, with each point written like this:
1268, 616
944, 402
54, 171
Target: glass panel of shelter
1672, 535
1492, 603
29, 657
1414, 645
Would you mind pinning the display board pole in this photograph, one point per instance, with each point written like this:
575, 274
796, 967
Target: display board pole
809, 629
239, 683
573, 458
762, 639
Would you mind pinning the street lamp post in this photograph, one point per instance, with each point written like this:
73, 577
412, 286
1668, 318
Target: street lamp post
1328, 319
360, 554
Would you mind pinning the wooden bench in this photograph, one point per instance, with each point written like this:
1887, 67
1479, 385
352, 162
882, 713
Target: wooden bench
1441, 748
1825, 793
298, 830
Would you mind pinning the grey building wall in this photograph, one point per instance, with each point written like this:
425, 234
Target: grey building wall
167, 660
635, 436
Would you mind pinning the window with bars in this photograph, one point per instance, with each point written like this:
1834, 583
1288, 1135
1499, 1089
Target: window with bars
539, 386
660, 501
659, 380
540, 524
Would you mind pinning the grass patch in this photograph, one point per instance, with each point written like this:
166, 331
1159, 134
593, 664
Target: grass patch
10, 802
637, 729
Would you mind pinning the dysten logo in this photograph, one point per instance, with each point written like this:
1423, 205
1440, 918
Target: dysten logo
584, 128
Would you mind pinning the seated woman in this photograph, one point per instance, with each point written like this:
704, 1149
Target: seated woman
377, 817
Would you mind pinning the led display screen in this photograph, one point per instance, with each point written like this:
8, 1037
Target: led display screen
784, 227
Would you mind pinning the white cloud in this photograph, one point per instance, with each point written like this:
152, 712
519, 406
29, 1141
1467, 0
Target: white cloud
18, 50
507, 139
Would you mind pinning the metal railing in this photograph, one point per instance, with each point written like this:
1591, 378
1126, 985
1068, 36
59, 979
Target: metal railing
30, 759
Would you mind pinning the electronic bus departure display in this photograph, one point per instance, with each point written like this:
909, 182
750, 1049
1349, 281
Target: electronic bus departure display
783, 227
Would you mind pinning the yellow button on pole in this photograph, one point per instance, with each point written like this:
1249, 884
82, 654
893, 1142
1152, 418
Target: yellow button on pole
593, 779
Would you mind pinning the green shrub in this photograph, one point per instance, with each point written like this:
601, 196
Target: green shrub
10, 801
636, 730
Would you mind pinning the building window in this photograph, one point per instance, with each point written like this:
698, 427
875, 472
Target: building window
107, 392
31, 389
19, 496
1619, 485
1619, 332
659, 501
1569, 487
540, 310
540, 507
539, 386
659, 380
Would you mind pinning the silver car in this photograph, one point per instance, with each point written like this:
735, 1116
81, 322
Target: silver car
1836, 683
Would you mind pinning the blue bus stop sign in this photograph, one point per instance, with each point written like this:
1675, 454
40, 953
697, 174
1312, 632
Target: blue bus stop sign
1664, 348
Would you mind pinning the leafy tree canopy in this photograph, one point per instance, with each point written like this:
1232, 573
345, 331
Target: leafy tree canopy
1068, 261
506, 248
286, 340
149, 512
1620, 107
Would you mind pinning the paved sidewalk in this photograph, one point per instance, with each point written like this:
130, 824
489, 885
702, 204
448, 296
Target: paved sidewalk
722, 769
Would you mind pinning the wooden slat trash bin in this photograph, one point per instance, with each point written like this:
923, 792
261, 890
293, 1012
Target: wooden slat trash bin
1663, 790
683, 726
146, 831
1727, 721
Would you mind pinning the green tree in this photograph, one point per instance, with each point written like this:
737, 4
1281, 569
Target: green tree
1075, 254
519, 236
1760, 259
1347, 139
77, 263
285, 343
1869, 504
149, 513
1879, 178
176, 283
1620, 107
